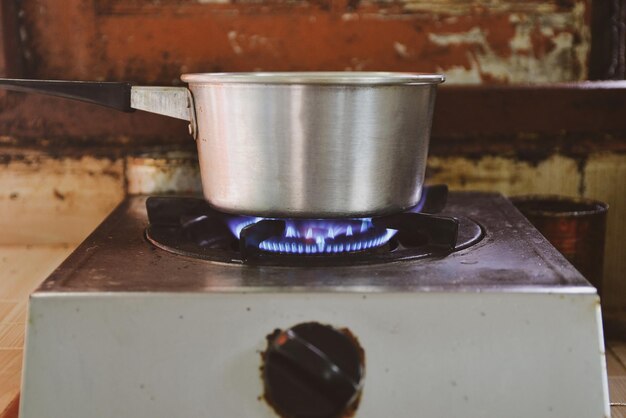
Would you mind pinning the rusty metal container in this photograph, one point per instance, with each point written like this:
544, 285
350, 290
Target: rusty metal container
575, 226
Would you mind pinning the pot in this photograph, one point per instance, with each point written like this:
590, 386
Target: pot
309, 145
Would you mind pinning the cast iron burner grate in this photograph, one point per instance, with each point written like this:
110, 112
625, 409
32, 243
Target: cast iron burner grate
190, 227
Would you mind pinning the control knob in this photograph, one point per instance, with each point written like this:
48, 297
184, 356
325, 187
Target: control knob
314, 371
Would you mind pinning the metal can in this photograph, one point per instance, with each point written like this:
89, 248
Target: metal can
575, 226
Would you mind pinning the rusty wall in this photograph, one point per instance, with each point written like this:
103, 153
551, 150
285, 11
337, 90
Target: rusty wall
148, 41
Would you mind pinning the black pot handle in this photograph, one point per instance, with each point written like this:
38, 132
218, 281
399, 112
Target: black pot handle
115, 95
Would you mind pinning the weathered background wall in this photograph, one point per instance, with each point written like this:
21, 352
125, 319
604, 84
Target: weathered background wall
472, 41
73, 162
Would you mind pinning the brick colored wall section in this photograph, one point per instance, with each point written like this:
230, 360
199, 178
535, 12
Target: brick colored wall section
472, 41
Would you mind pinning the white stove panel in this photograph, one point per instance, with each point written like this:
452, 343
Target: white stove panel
441, 354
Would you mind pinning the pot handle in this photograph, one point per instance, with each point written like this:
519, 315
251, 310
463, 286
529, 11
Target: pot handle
176, 102
110, 94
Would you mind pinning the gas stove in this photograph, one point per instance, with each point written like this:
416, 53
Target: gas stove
170, 309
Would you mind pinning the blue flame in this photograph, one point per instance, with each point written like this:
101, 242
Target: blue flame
321, 246
320, 236
236, 224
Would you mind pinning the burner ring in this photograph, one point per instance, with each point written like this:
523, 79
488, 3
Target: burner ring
313, 236
183, 226
372, 238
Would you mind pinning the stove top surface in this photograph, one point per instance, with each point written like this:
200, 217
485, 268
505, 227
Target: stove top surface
512, 256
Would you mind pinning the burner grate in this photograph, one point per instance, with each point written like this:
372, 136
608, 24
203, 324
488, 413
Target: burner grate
190, 227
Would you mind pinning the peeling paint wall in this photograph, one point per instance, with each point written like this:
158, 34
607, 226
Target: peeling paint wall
47, 199
541, 49
472, 41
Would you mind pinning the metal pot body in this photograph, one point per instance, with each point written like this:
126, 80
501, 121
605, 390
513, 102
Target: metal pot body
314, 150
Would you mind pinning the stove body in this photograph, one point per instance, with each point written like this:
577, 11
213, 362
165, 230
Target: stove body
504, 328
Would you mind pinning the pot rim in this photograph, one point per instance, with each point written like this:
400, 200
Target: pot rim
359, 78
534, 204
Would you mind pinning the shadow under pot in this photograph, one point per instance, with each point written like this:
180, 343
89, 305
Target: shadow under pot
574, 226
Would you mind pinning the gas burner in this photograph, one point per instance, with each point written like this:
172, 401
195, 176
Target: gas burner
190, 227
319, 236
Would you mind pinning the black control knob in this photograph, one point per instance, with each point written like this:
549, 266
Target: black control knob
313, 370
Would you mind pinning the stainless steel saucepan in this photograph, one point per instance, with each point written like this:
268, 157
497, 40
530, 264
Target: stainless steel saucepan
309, 144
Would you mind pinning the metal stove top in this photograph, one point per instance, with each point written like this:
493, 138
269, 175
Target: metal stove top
512, 256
